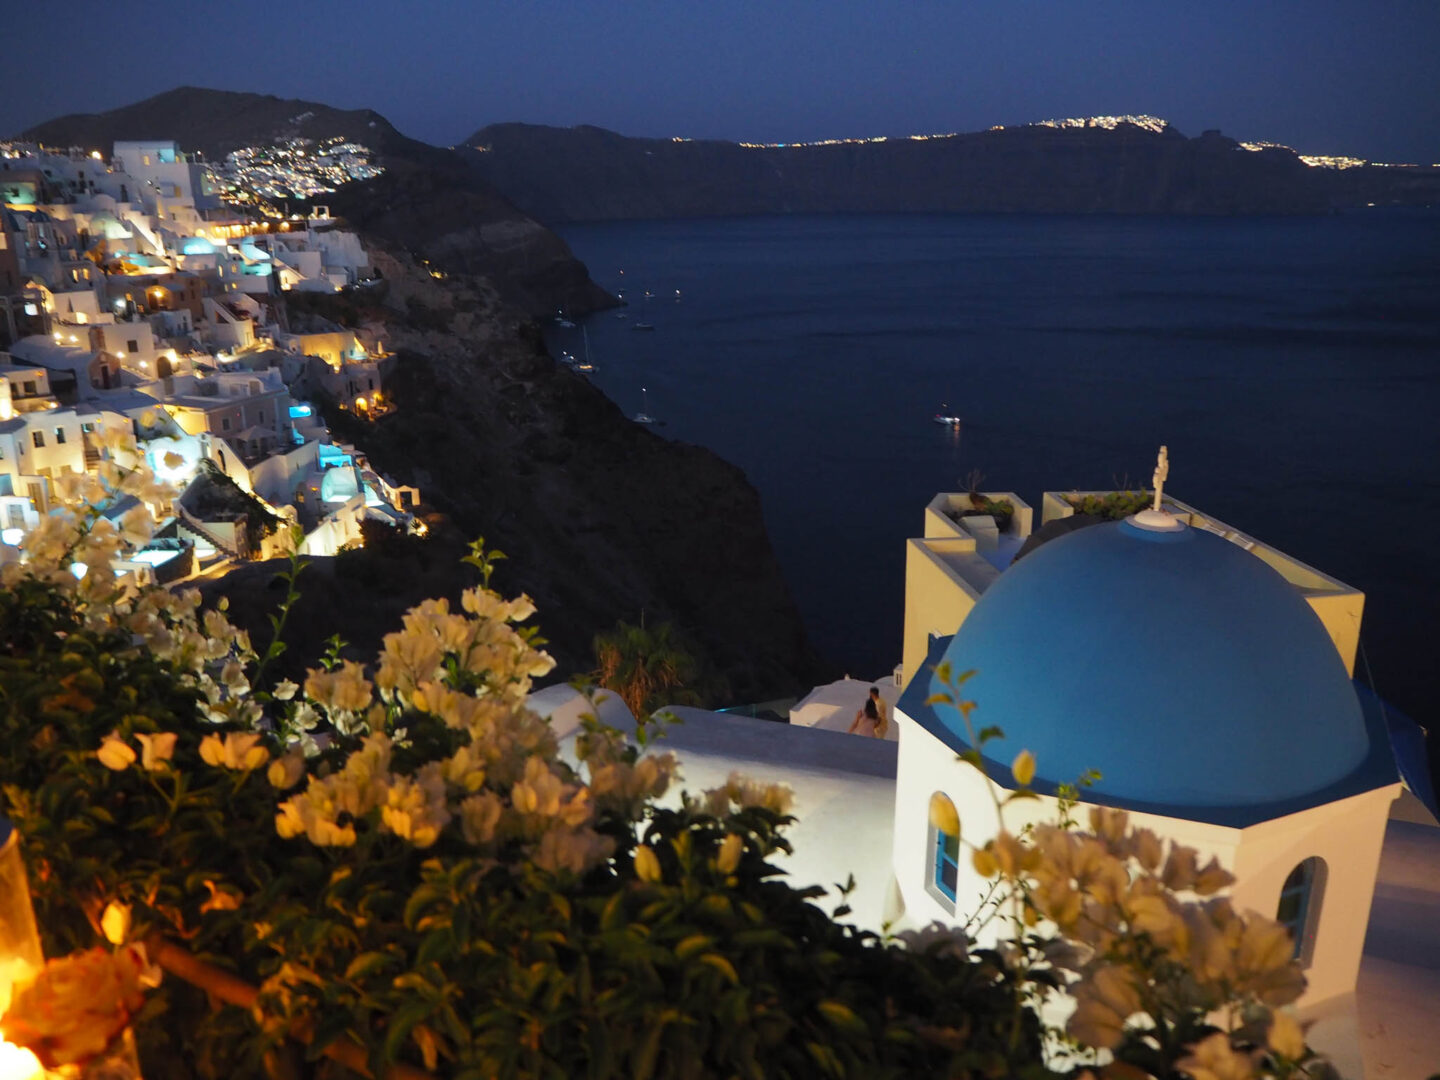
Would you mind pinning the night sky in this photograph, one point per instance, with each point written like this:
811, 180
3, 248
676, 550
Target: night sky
1324, 76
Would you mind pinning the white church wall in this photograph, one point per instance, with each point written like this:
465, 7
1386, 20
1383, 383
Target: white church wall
927, 765
1347, 835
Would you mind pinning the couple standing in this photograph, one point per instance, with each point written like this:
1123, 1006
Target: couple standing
872, 720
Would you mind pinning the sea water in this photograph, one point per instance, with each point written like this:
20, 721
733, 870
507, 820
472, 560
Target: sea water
1292, 366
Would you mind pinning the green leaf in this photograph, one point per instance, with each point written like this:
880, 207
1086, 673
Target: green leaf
825, 1058
613, 915
720, 964
693, 944
400, 1027
841, 1016
366, 964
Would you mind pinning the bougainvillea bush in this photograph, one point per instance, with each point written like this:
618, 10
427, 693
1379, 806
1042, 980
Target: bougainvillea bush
399, 859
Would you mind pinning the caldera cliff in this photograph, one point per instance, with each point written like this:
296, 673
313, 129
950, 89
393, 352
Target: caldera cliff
560, 175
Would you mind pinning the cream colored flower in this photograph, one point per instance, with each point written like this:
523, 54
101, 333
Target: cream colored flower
414, 808
288, 770
479, 815
114, 753
156, 750
238, 750
1114, 987
1214, 1058
1147, 849
1096, 1024
1286, 1037
465, 769
344, 688
572, 850
136, 526
284, 690
1212, 878
232, 677
1180, 868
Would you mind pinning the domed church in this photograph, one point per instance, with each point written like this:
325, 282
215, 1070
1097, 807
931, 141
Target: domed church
1205, 677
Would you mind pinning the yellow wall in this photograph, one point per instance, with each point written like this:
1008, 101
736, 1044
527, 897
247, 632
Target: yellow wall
936, 599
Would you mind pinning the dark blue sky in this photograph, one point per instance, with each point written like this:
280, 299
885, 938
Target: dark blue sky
1325, 76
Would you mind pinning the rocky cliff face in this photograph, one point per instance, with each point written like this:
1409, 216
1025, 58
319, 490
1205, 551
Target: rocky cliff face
602, 519
588, 174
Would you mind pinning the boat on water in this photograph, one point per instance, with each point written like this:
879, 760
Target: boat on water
584, 364
642, 326
946, 417
643, 416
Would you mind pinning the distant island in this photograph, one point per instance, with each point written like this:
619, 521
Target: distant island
1124, 165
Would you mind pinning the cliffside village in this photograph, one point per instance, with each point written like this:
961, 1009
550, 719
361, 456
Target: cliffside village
134, 299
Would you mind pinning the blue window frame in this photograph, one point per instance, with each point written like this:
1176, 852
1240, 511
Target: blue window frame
1299, 907
947, 862
944, 849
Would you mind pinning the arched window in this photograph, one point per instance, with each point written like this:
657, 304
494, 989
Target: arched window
1299, 910
943, 848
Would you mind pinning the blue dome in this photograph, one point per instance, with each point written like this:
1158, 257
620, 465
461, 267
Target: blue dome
1181, 667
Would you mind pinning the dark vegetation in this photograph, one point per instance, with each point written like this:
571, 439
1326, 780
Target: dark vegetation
215, 497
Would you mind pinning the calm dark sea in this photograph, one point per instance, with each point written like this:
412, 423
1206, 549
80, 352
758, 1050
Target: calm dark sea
1292, 365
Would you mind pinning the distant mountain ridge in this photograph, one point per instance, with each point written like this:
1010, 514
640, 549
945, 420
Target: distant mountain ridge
216, 122
586, 173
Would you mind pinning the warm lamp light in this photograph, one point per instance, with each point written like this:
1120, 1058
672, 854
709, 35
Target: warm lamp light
20, 955
17, 1063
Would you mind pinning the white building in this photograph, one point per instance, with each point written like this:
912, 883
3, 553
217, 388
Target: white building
164, 174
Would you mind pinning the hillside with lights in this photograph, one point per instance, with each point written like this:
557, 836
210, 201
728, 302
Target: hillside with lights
1112, 164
